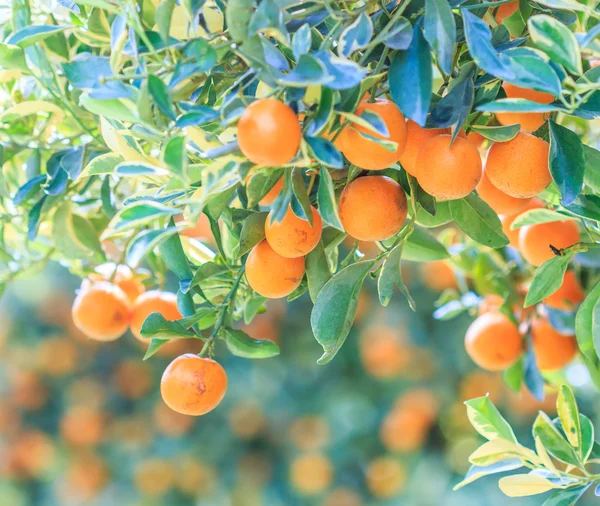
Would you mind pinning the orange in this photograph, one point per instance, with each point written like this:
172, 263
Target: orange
192, 385
384, 352
386, 477
507, 221
497, 199
476, 139
493, 342
101, 311
201, 230
415, 138
269, 132
373, 208
154, 477
309, 433
82, 426
529, 121
311, 474
448, 172
506, 10
124, 278
404, 430
568, 295
438, 275
272, 194
367, 154
293, 237
552, 349
85, 477
133, 378
272, 275
154, 301
519, 167
535, 240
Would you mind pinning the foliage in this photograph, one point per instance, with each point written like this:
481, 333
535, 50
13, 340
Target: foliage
119, 118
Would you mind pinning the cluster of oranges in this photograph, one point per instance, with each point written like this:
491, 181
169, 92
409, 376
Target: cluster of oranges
113, 300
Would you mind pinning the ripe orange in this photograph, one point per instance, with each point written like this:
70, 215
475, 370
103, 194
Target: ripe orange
493, 341
101, 311
476, 139
535, 240
124, 278
529, 121
82, 426
201, 230
386, 477
507, 221
269, 132
192, 385
293, 237
272, 275
497, 199
384, 352
373, 208
519, 167
367, 154
506, 10
447, 171
154, 301
438, 275
552, 349
415, 138
568, 295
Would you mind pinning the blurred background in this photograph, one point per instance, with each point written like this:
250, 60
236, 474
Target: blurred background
82, 422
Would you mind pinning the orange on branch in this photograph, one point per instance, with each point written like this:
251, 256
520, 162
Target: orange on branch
506, 10
535, 240
568, 295
552, 349
416, 137
269, 133
367, 154
499, 201
493, 341
373, 208
101, 311
519, 167
192, 385
122, 276
154, 301
293, 237
446, 171
529, 121
272, 275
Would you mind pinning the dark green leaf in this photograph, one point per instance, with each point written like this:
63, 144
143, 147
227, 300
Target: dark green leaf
553, 440
421, 246
478, 220
556, 40
497, 133
547, 279
160, 94
440, 31
253, 231
391, 276
325, 152
567, 161
317, 270
242, 345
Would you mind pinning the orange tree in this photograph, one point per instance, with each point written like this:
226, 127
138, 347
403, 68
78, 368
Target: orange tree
237, 144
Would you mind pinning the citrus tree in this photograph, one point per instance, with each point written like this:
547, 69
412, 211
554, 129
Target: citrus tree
241, 146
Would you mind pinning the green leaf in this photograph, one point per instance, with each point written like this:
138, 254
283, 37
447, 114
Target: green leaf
260, 183
355, 36
391, 276
241, 344
587, 437
34, 34
65, 236
102, 164
160, 94
317, 270
145, 242
479, 221
567, 161
536, 216
411, 79
156, 326
487, 420
596, 326
13, 57
522, 485
569, 415
584, 323
440, 31
556, 40
308, 72
304, 210
175, 155
591, 176
334, 310
238, 14
134, 169
547, 279
87, 234
253, 231
497, 133
328, 208
115, 108
421, 246
139, 214
566, 497
325, 152
517, 105
324, 111
162, 17
514, 375
553, 440
173, 255
476, 472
